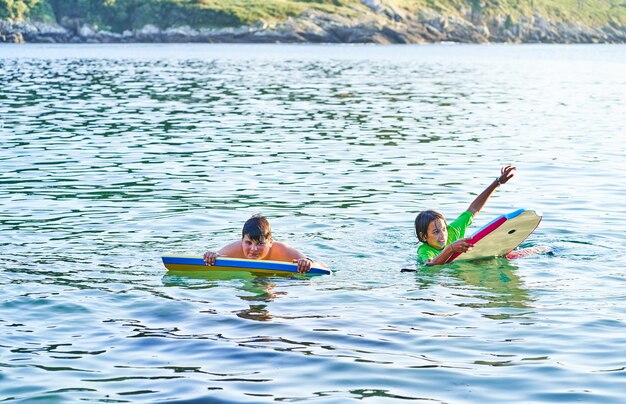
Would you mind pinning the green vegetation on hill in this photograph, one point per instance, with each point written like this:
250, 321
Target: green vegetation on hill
118, 15
584, 11
17, 10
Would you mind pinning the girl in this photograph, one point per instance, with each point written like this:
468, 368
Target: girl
440, 240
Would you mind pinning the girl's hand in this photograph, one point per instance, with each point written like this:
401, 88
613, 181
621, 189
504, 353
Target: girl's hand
462, 245
506, 173
209, 257
304, 265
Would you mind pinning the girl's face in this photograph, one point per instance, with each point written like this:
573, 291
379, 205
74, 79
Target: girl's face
255, 250
437, 234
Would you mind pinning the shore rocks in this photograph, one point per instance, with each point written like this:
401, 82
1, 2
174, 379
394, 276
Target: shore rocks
382, 24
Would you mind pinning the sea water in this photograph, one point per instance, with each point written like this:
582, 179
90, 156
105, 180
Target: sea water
113, 155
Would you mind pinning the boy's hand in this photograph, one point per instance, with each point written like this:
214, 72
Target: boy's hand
462, 245
304, 264
209, 257
506, 173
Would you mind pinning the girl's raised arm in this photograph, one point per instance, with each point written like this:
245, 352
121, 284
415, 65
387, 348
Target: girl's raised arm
506, 173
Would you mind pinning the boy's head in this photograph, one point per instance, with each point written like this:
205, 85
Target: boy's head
431, 229
256, 238
257, 228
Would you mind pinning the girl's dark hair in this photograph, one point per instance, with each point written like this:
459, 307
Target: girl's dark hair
257, 228
422, 221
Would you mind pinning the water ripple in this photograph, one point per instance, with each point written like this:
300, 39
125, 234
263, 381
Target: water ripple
114, 155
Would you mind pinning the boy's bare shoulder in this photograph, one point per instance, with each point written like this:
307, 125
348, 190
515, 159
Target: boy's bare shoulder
283, 251
232, 250
280, 245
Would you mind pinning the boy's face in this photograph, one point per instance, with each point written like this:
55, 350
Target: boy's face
437, 234
255, 250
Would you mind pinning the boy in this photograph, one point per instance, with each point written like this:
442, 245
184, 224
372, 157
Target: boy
257, 244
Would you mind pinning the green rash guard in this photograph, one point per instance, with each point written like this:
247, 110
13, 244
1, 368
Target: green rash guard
456, 230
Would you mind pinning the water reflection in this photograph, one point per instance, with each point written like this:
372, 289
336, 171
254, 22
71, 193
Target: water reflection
488, 283
261, 292
258, 291
108, 160
206, 279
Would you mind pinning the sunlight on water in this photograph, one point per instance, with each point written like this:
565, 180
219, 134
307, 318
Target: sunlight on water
114, 155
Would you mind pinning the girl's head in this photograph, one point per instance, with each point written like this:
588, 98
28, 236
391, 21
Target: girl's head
431, 229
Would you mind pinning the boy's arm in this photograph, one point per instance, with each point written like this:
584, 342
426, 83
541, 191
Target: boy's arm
288, 253
506, 173
232, 250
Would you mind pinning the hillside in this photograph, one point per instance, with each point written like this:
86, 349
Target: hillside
350, 21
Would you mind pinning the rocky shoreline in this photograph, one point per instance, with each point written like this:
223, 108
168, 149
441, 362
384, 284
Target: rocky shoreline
383, 25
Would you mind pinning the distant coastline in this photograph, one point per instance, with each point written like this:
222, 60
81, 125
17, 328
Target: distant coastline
374, 21
437, 29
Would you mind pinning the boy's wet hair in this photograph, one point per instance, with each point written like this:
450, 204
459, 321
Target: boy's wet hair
257, 228
422, 221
